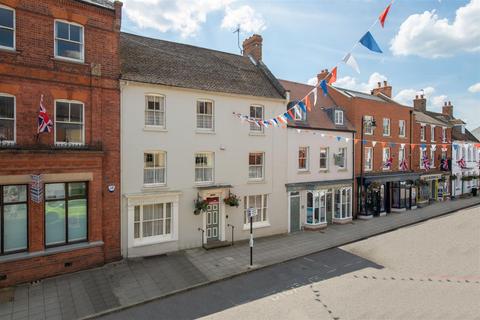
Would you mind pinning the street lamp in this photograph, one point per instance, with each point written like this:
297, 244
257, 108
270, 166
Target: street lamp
373, 124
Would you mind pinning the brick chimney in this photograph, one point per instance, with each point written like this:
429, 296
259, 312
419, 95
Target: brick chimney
385, 89
323, 75
253, 46
447, 109
118, 15
420, 103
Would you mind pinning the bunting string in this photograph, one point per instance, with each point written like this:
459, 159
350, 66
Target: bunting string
282, 119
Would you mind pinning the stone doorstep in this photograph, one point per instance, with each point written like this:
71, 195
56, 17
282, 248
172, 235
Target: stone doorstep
247, 270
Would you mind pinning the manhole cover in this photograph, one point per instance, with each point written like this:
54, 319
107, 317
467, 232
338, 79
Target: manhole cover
6, 295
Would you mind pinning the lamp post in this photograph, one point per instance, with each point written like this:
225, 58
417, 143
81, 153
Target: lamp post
373, 125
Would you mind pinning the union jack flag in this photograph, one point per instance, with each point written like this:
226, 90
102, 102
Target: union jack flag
45, 124
404, 165
388, 163
426, 163
462, 163
445, 164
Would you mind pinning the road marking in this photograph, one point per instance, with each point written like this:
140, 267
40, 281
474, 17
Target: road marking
308, 259
333, 270
347, 265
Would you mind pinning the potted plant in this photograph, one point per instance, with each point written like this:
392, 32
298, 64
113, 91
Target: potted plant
232, 200
200, 206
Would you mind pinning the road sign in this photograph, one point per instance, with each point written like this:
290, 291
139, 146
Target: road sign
36, 188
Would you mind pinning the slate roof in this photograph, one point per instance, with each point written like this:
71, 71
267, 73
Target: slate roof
476, 133
101, 3
467, 136
174, 64
318, 118
424, 117
358, 94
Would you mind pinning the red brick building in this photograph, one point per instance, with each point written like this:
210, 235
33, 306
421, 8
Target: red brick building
432, 137
65, 50
384, 181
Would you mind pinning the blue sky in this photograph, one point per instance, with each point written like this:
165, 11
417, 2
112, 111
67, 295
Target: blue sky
432, 45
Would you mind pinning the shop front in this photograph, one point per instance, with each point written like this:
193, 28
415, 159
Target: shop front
432, 187
315, 205
382, 194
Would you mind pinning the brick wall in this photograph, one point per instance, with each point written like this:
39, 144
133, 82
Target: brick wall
30, 71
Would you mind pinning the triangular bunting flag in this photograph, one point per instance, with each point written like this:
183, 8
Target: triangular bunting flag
323, 85
339, 138
384, 14
374, 143
315, 92
288, 116
290, 113
333, 76
302, 105
307, 103
297, 112
369, 42
350, 61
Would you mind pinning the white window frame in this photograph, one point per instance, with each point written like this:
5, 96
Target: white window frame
307, 158
55, 47
158, 237
322, 211
444, 134
263, 222
385, 157
423, 152
61, 143
254, 128
401, 156
164, 118
344, 151
339, 117
155, 168
343, 192
368, 125
212, 154
423, 132
432, 158
327, 162
432, 133
262, 166
14, 141
388, 127
402, 128
212, 129
368, 154
14, 29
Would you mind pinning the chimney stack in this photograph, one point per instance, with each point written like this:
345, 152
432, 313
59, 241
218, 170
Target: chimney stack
253, 46
420, 103
324, 74
447, 109
385, 89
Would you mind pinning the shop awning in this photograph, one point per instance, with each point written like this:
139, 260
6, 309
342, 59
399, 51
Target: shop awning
314, 185
390, 177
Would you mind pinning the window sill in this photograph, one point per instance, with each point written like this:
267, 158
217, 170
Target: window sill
257, 225
153, 240
323, 171
256, 134
9, 50
67, 60
342, 169
50, 251
303, 171
256, 181
68, 145
156, 129
150, 187
199, 131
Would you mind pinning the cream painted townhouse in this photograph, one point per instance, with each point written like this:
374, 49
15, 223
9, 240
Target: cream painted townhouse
320, 163
187, 161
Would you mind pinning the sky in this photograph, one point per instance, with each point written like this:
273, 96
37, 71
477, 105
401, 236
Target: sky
429, 46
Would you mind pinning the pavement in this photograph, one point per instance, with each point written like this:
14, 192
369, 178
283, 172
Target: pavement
116, 286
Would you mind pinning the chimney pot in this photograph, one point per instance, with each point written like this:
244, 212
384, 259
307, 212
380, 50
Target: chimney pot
420, 103
379, 84
422, 96
385, 83
416, 97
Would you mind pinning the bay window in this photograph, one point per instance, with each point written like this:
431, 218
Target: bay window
343, 203
152, 220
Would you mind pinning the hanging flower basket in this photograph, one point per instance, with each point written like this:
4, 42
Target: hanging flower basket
453, 177
232, 200
200, 206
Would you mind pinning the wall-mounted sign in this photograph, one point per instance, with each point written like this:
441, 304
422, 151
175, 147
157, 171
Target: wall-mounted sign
111, 188
36, 188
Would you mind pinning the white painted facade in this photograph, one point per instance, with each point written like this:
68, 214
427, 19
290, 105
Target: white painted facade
322, 181
172, 201
471, 155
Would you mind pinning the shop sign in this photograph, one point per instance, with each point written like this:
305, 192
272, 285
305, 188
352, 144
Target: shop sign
36, 188
431, 177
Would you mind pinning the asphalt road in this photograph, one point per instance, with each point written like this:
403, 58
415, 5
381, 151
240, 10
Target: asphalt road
272, 282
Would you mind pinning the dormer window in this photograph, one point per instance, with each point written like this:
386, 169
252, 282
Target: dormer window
339, 117
463, 129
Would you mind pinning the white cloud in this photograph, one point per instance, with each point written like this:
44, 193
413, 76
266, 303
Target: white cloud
426, 35
246, 17
352, 82
187, 16
474, 88
406, 97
